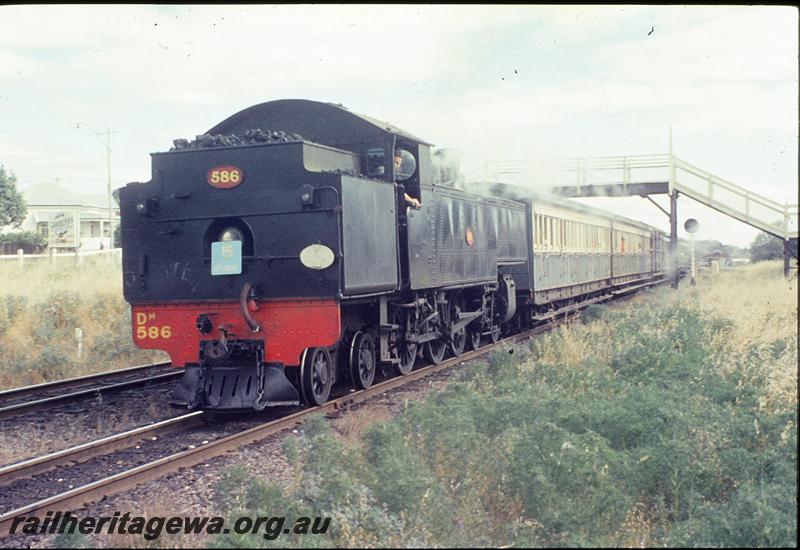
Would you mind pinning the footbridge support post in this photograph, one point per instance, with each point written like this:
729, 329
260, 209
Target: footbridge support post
673, 237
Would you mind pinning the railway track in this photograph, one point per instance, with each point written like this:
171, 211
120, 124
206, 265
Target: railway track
93, 491
129, 478
38, 397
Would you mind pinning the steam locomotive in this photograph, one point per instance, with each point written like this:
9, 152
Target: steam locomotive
277, 254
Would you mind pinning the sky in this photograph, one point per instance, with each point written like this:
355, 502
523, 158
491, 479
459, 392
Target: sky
490, 83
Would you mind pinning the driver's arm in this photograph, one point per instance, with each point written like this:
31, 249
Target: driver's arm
412, 201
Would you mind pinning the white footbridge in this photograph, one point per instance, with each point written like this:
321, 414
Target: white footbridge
644, 175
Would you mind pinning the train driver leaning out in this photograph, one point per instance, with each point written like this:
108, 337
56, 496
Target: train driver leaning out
398, 161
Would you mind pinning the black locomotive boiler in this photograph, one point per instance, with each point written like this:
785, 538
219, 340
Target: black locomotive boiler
278, 253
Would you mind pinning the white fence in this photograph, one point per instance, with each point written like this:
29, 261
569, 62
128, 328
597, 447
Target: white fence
77, 257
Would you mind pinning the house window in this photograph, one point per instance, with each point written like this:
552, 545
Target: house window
43, 229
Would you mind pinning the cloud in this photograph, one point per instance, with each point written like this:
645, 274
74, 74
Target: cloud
494, 82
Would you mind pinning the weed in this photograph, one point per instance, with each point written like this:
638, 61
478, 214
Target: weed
657, 424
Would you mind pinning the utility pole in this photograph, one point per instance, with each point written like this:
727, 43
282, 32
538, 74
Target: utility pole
107, 144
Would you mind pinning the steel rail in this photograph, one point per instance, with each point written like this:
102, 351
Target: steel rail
86, 451
24, 391
31, 406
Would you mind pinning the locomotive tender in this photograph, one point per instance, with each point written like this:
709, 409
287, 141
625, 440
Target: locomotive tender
276, 254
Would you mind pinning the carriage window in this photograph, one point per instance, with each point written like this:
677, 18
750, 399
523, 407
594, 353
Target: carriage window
576, 232
548, 232
571, 236
540, 229
568, 236
543, 224
585, 238
556, 232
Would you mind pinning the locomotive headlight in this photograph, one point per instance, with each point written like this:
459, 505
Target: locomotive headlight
231, 234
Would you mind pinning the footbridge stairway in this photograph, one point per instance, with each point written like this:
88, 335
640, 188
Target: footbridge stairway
645, 175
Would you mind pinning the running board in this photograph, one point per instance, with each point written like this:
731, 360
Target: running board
635, 287
572, 308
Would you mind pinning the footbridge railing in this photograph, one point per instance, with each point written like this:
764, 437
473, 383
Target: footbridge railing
779, 219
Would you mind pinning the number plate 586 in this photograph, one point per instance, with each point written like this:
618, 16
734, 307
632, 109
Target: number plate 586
225, 177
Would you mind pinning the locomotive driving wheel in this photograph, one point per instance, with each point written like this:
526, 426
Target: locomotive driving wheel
316, 376
401, 348
459, 339
362, 360
458, 342
434, 350
475, 336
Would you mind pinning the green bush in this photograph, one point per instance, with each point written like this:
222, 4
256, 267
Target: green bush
330, 484
115, 341
72, 540
50, 364
593, 312
757, 515
527, 452
14, 306
55, 317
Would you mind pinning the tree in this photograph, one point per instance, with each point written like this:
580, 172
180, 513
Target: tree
29, 241
12, 204
766, 247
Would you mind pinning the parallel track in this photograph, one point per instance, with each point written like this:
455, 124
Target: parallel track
28, 399
128, 479
86, 451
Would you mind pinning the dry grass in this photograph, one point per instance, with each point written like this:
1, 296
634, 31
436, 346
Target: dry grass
37, 278
41, 305
352, 425
762, 305
637, 529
